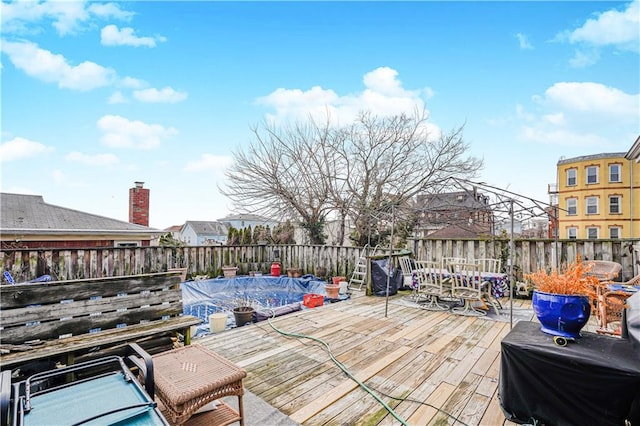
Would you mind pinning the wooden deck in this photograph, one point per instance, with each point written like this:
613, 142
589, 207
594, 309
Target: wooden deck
425, 359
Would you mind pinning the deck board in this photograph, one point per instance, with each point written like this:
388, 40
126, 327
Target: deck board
430, 361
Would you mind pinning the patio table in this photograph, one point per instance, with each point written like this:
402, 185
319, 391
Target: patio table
190, 377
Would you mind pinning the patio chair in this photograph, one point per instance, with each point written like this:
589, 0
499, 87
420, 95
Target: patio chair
604, 270
446, 261
467, 285
489, 265
432, 285
610, 306
407, 267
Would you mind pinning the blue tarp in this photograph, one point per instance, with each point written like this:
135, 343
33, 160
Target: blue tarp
204, 297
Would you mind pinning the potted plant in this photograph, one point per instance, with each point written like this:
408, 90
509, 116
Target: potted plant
229, 271
243, 312
562, 300
294, 272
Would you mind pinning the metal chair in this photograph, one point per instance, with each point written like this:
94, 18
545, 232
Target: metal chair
489, 265
467, 286
408, 269
431, 285
446, 261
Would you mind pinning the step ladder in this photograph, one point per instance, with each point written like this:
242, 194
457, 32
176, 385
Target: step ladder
359, 276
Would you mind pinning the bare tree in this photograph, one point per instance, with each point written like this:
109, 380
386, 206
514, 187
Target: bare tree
283, 174
306, 172
388, 160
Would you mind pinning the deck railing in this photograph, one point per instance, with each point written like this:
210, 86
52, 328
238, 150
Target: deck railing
529, 255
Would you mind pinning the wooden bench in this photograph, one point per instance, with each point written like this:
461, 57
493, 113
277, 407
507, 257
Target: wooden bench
76, 320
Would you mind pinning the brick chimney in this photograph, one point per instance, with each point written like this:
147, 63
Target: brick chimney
139, 205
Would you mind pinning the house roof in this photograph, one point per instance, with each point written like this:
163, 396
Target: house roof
246, 217
591, 157
29, 214
453, 201
457, 231
634, 151
206, 228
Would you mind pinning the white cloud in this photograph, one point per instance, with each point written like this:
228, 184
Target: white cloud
523, 41
573, 113
593, 98
117, 98
112, 36
383, 94
165, 95
21, 148
584, 58
54, 68
92, 160
66, 17
131, 83
120, 132
209, 162
613, 28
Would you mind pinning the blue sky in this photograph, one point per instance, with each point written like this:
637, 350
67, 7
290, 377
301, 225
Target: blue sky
96, 96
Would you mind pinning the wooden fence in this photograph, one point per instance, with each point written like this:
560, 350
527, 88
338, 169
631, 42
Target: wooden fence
530, 255
62, 264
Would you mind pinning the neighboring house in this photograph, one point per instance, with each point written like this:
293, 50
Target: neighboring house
461, 214
241, 221
203, 233
27, 221
174, 231
634, 151
598, 196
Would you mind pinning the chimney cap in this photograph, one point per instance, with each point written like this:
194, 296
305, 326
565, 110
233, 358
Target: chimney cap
139, 184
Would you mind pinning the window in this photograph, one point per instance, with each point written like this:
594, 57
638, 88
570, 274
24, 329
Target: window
572, 233
592, 205
592, 174
614, 173
572, 206
127, 244
614, 204
614, 232
572, 175
592, 233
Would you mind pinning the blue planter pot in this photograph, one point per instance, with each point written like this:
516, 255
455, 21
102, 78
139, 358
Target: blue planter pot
561, 314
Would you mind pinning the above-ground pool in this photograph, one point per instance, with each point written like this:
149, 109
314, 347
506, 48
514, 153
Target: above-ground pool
202, 298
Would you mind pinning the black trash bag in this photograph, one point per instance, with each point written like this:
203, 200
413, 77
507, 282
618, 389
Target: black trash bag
379, 272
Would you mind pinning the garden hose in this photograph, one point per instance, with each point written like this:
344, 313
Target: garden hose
340, 365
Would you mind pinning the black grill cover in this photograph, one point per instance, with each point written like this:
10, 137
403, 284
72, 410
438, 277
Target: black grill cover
594, 380
379, 272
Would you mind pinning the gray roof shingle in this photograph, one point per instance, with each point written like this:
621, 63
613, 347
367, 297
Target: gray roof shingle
30, 214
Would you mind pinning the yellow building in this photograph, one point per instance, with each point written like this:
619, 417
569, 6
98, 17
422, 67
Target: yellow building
598, 197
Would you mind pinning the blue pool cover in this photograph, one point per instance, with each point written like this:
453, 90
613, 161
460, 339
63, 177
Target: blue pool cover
204, 297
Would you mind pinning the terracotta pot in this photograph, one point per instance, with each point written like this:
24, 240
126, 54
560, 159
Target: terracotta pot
336, 280
229, 271
332, 291
293, 272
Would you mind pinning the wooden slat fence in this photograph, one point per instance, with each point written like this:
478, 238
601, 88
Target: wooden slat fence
530, 255
67, 264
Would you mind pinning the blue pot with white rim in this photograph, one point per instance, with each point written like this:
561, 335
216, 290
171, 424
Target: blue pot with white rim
561, 314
